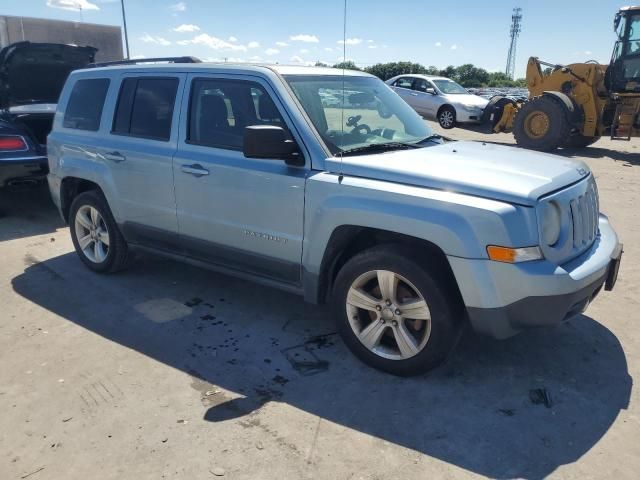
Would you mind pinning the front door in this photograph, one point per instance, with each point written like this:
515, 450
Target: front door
240, 213
425, 103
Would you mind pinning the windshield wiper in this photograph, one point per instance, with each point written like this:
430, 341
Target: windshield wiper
431, 138
379, 147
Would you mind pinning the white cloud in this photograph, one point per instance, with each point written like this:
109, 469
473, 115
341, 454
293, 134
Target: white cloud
454, 47
186, 28
178, 7
72, 4
146, 38
304, 50
373, 46
588, 52
303, 37
328, 49
232, 39
213, 42
253, 44
369, 41
438, 44
282, 44
296, 59
272, 51
351, 41
255, 58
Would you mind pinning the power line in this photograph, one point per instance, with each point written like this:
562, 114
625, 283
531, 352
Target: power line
516, 27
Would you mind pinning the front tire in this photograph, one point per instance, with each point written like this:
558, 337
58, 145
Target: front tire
95, 235
541, 124
393, 313
447, 117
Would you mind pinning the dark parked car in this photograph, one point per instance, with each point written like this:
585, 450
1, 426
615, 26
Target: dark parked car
31, 78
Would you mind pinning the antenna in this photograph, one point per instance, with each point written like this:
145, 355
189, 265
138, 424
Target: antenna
344, 61
516, 19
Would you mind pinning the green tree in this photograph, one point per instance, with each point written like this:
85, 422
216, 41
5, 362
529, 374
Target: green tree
470, 76
348, 65
320, 64
385, 71
449, 72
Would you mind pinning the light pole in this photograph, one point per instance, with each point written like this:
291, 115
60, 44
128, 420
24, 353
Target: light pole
124, 21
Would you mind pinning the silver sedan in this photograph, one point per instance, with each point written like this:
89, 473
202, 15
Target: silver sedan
439, 98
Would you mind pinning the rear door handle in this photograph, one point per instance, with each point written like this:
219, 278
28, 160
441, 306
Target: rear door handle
116, 157
196, 170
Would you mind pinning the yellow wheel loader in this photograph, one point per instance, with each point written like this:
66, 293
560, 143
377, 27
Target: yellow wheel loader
574, 105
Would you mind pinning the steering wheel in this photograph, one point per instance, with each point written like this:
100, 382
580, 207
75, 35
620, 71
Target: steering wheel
353, 122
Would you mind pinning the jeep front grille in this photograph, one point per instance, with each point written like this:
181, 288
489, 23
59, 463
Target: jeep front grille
584, 214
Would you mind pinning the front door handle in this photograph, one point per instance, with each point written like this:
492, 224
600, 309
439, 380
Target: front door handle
414, 94
196, 170
116, 157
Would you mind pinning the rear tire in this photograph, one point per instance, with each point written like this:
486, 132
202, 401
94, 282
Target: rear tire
447, 117
411, 333
541, 124
95, 234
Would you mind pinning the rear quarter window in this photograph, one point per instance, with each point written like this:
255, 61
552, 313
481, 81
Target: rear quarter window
85, 104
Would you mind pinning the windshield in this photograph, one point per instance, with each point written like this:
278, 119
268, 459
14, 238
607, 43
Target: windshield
373, 113
447, 86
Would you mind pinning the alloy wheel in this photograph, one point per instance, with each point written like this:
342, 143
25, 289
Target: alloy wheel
92, 234
446, 119
388, 315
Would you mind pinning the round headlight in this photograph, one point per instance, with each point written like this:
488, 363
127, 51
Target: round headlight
551, 223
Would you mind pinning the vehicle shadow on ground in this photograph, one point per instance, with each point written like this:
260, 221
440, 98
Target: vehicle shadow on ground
517, 408
593, 151
26, 212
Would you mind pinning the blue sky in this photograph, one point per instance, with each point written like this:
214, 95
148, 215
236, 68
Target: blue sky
301, 31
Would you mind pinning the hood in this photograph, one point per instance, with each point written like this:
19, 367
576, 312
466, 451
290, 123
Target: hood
467, 99
36, 72
491, 171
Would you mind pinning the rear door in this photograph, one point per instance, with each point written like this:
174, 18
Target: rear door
240, 213
139, 150
403, 86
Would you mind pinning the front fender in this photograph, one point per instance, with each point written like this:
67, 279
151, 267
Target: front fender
460, 225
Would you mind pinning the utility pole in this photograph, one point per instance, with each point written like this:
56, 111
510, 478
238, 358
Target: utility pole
124, 22
516, 19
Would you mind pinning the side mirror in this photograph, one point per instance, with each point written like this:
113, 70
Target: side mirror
431, 90
270, 142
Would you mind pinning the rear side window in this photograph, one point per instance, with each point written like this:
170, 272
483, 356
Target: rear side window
145, 107
404, 82
84, 108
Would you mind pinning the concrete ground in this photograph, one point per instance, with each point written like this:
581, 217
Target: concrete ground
169, 371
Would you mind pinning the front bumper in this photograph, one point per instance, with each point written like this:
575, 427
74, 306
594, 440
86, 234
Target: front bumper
469, 116
503, 299
14, 171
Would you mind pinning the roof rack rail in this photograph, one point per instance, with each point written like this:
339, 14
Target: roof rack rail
146, 60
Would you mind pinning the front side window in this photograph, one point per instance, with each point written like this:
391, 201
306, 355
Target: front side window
84, 108
421, 85
368, 113
145, 107
447, 86
220, 109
